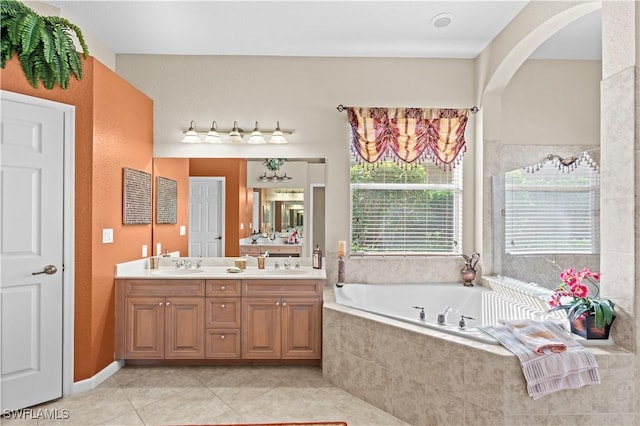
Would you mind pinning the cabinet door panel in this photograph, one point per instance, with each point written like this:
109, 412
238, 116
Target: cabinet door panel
301, 328
261, 328
144, 323
184, 334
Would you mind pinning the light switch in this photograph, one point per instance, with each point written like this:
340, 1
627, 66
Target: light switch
144, 250
183, 230
158, 249
107, 236
241, 226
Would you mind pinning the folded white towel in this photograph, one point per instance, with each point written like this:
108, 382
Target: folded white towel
536, 336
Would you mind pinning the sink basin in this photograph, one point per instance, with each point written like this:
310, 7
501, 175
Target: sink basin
286, 272
172, 271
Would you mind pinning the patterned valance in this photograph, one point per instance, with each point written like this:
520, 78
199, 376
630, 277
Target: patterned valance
409, 135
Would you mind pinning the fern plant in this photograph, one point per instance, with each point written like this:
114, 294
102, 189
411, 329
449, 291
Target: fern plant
43, 44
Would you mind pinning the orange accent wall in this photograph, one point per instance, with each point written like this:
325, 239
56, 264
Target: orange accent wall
113, 129
235, 172
169, 234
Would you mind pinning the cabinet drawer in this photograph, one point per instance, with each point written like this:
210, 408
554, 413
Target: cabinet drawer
164, 287
250, 250
224, 288
282, 287
283, 251
223, 343
223, 312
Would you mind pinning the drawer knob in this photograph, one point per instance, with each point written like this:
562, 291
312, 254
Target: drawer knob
222, 337
277, 303
222, 306
223, 288
284, 303
168, 303
160, 303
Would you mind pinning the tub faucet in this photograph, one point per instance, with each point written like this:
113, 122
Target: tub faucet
442, 317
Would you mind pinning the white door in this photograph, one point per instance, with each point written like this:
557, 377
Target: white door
31, 227
206, 216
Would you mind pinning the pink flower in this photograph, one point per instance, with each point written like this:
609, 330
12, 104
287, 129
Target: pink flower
580, 291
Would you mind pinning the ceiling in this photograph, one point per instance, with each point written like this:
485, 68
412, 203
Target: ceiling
402, 29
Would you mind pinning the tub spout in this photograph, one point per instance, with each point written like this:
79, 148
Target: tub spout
442, 317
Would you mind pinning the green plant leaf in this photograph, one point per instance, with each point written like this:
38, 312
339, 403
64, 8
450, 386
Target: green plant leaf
30, 33
44, 45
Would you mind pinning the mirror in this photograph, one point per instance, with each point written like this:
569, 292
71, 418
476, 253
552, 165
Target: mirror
279, 209
550, 218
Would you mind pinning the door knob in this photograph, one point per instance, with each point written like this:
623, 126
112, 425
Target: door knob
49, 270
219, 238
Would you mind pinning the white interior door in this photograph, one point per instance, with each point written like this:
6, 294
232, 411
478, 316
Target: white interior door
206, 216
31, 227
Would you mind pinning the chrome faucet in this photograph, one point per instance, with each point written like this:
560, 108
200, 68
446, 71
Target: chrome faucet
287, 264
442, 317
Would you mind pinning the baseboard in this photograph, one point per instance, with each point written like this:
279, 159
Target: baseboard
99, 377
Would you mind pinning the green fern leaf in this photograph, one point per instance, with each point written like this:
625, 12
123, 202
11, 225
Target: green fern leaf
6, 50
30, 34
47, 44
30, 69
62, 22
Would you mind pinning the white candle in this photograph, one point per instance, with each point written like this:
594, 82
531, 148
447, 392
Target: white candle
342, 248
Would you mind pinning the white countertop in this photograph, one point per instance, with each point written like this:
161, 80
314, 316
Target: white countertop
220, 272
216, 268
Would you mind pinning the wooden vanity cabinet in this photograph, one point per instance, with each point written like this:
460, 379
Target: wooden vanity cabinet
223, 319
160, 319
281, 320
253, 319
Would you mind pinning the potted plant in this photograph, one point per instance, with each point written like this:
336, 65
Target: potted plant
43, 44
590, 316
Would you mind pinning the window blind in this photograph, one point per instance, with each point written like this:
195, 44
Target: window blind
552, 212
399, 210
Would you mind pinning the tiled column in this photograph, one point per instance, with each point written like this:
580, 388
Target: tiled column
620, 181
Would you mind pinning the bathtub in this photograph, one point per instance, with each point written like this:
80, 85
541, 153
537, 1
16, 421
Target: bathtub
482, 304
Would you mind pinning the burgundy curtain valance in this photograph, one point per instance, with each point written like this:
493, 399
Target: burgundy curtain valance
408, 135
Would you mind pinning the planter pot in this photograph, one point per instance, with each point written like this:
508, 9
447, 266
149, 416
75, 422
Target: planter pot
586, 327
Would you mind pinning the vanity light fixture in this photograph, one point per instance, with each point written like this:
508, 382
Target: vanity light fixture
191, 136
256, 137
234, 135
278, 136
274, 179
212, 135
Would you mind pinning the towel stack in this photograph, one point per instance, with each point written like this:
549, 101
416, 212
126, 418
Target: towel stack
550, 358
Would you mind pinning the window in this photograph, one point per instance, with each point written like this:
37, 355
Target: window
401, 210
552, 212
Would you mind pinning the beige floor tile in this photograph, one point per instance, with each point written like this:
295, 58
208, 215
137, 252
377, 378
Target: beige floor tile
138, 395
128, 418
198, 406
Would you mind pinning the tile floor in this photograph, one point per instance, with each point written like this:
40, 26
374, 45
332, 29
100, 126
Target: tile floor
143, 395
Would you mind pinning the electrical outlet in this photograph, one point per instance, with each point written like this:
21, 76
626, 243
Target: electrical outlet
144, 250
107, 236
183, 230
158, 249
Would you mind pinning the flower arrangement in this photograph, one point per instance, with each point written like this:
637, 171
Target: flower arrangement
580, 304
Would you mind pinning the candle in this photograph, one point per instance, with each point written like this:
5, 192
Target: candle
342, 248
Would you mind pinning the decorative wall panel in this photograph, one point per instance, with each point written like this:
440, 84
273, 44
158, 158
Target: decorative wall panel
136, 197
166, 200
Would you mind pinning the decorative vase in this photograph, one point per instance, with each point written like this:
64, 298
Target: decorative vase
585, 326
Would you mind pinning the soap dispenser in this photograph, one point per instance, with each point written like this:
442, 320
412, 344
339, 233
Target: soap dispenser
317, 258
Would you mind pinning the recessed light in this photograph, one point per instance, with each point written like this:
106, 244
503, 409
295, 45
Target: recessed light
442, 20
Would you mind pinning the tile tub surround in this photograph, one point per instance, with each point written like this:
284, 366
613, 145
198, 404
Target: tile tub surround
426, 377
